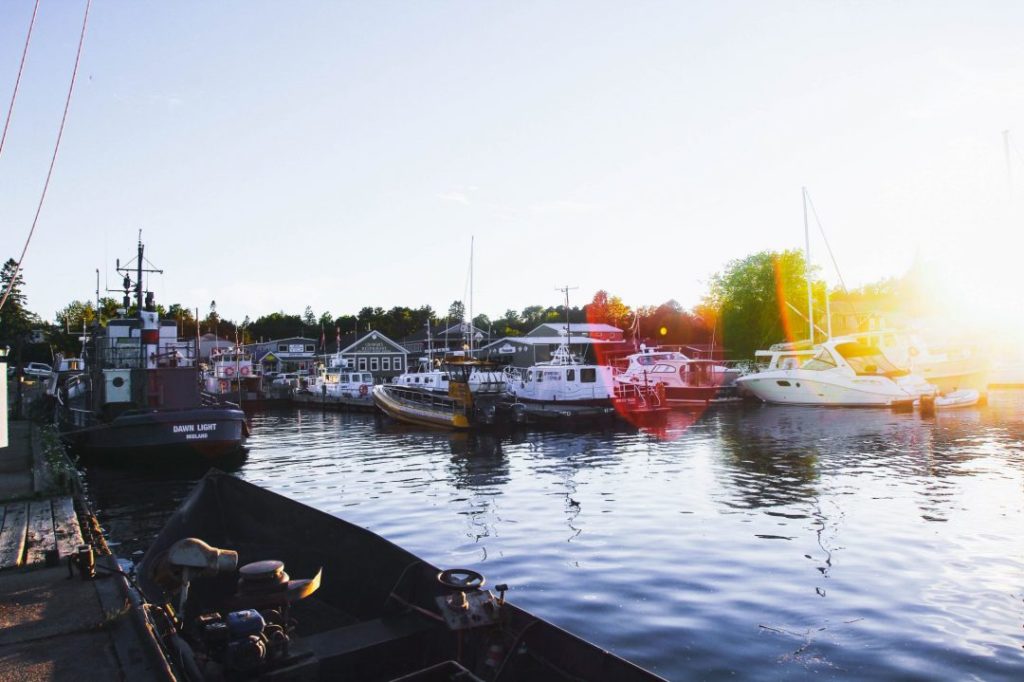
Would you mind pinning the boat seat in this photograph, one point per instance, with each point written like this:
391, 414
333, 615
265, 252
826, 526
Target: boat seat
373, 649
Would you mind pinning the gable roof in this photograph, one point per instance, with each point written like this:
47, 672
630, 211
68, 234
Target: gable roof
373, 336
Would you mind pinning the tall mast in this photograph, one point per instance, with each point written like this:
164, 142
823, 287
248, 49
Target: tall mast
471, 238
1009, 166
807, 269
565, 290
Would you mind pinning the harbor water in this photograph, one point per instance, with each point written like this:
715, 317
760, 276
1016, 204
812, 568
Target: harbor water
750, 542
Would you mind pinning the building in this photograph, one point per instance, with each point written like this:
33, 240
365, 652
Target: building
375, 353
293, 354
588, 341
207, 342
452, 338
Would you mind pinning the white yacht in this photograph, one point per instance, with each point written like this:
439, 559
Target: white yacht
341, 383
843, 371
432, 374
684, 380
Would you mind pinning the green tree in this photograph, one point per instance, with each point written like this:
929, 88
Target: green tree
15, 318
456, 312
761, 300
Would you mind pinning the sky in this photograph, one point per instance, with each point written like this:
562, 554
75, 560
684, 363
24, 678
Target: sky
344, 154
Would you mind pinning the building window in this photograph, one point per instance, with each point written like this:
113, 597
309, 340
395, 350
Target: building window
310, 348
282, 348
385, 364
398, 363
362, 364
373, 364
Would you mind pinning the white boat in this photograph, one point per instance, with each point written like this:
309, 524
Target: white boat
685, 381
843, 372
433, 374
341, 384
232, 374
784, 355
563, 387
950, 368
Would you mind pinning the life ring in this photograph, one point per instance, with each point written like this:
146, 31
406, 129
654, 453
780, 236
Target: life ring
229, 371
363, 389
224, 385
246, 370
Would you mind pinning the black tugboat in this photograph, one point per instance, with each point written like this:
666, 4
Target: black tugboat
224, 601
141, 397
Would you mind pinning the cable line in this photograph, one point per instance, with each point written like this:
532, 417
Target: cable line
17, 81
53, 159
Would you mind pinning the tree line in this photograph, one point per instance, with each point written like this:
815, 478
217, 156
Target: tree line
753, 302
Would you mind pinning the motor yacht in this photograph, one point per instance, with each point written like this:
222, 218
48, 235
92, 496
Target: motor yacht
843, 371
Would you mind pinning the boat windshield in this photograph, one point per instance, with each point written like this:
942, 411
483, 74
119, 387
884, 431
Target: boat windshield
868, 360
821, 361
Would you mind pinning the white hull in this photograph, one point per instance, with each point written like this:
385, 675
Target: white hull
803, 387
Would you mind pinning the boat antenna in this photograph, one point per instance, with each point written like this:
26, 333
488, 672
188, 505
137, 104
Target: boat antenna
565, 290
807, 269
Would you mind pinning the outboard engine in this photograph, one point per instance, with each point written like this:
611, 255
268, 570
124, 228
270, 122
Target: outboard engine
249, 634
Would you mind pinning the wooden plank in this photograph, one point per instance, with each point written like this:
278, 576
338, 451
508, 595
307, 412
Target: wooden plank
12, 537
39, 538
65, 527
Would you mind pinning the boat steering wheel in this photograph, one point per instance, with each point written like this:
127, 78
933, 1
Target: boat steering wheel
461, 579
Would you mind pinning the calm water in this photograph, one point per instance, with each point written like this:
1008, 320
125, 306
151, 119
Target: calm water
758, 542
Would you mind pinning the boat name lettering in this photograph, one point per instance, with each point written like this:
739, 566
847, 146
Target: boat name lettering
193, 428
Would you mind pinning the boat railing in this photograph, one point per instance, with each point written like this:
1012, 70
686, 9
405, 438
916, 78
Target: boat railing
437, 402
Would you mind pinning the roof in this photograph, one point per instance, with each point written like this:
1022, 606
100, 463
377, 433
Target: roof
581, 327
373, 336
547, 340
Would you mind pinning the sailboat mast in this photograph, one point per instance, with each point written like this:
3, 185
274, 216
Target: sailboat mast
1009, 166
471, 238
807, 269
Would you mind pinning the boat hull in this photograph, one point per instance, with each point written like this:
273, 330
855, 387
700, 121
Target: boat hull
420, 408
798, 387
207, 433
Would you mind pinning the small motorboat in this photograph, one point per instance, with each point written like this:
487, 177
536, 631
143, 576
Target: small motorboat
223, 603
965, 397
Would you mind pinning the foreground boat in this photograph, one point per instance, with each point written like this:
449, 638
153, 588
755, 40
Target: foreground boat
364, 609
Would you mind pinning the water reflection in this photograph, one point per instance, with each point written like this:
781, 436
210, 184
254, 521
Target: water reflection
881, 540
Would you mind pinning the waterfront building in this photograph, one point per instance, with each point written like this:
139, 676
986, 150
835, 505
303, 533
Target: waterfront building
207, 342
540, 343
452, 338
372, 352
293, 354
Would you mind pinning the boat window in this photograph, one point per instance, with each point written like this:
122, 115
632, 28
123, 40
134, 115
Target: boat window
570, 375
868, 360
662, 368
783, 383
540, 376
444, 377
822, 361
588, 375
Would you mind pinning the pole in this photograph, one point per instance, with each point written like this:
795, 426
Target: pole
1009, 166
471, 295
828, 313
807, 269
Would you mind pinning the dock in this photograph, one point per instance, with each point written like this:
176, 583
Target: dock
55, 625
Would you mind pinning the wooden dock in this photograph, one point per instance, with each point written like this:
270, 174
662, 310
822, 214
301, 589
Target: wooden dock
29, 530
